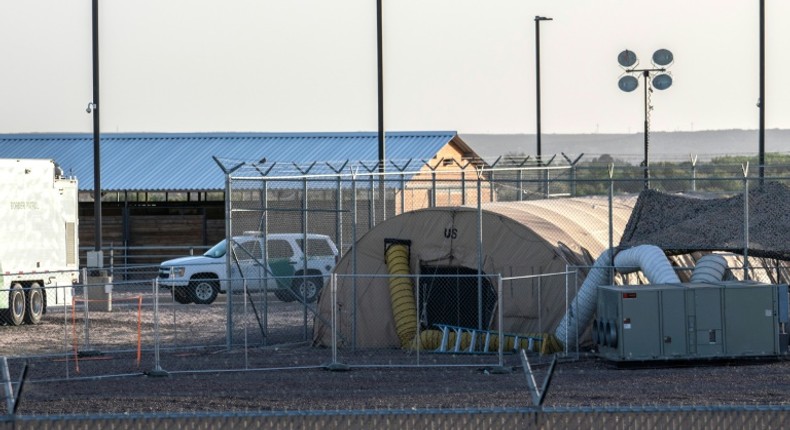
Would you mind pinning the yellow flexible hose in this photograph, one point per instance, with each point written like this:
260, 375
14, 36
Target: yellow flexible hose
404, 306
404, 312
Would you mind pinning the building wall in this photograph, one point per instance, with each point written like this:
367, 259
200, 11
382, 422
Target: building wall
454, 177
153, 220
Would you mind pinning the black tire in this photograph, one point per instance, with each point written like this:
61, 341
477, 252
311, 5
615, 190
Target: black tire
34, 304
307, 288
204, 291
284, 294
182, 295
15, 314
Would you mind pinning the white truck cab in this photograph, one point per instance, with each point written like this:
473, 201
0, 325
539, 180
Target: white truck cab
295, 271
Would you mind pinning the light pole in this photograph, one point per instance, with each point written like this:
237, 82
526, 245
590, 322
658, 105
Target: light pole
538, 19
94, 108
380, 93
761, 103
661, 81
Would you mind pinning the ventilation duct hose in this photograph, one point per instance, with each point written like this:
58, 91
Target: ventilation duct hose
709, 269
404, 306
583, 305
651, 260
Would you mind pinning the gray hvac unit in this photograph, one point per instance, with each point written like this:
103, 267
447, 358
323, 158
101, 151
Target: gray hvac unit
735, 319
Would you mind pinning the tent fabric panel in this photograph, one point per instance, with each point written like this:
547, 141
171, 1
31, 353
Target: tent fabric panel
518, 239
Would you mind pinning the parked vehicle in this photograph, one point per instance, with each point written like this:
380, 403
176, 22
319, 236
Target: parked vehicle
294, 271
39, 252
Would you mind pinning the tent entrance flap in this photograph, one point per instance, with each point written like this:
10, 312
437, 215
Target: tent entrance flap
450, 295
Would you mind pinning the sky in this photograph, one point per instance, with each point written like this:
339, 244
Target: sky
463, 65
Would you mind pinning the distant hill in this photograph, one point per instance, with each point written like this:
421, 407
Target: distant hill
663, 146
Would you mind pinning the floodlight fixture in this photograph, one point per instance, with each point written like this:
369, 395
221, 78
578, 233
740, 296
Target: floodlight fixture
662, 81
627, 58
663, 57
628, 83
657, 77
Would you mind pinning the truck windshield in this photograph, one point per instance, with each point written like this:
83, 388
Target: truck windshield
217, 250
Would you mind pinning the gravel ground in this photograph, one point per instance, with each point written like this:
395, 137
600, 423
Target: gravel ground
292, 376
584, 382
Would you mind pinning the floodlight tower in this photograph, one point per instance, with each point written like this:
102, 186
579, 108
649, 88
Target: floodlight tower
656, 77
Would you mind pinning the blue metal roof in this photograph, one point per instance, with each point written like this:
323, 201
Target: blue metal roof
185, 161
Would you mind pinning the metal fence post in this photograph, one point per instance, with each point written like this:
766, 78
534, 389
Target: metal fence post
228, 262
339, 214
66, 327
334, 365
418, 339
745, 169
463, 187
371, 204
7, 388
573, 181
568, 309
433, 188
86, 328
693, 159
500, 321
520, 183
246, 322
611, 220
157, 370
173, 299
402, 193
354, 247
305, 256
479, 251
333, 291
491, 185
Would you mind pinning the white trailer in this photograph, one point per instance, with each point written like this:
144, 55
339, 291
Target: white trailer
38, 239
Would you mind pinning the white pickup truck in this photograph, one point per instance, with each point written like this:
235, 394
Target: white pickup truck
294, 271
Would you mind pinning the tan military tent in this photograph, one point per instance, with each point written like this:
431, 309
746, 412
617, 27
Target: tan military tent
518, 238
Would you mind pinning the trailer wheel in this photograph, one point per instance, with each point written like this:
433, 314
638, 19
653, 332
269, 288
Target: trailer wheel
34, 308
15, 313
204, 291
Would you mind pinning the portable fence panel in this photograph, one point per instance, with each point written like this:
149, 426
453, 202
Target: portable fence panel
408, 320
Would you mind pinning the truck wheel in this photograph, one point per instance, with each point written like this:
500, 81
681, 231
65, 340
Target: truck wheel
182, 295
204, 291
284, 294
307, 288
15, 313
34, 305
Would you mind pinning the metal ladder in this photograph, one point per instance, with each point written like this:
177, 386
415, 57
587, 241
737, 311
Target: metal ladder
479, 340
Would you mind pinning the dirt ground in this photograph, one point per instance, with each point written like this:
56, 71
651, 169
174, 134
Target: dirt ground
587, 381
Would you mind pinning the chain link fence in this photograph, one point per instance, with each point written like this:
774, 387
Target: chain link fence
690, 417
272, 291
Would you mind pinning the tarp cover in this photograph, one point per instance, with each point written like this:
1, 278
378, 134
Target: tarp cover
682, 224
